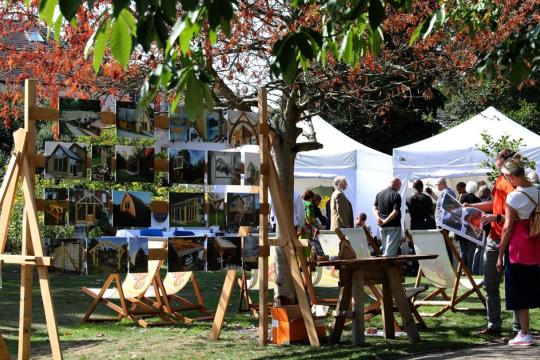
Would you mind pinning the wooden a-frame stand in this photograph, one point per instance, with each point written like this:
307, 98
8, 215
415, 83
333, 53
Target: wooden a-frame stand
21, 167
269, 181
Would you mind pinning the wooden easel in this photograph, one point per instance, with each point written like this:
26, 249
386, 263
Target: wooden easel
270, 181
21, 167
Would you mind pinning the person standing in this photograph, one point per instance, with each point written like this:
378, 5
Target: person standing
460, 188
387, 212
492, 278
518, 252
532, 176
341, 213
318, 213
443, 189
468, 247
420, 208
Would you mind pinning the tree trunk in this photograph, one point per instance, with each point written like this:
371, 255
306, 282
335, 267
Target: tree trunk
284, 155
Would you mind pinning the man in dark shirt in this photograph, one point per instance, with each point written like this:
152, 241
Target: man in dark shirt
468, 247
318, 213
420, 208
387, 212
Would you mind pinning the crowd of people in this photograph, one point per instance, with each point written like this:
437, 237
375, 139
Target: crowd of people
508, 249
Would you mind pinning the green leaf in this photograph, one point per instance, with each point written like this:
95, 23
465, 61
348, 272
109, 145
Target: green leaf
520, 72
119, 5
102, 38
208, 97
69, 8
376, 13
121, 38
212, 34
46, 10
194, 98
416, 33
58, 28
146, 33
346, 50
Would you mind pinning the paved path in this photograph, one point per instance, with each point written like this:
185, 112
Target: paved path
495, 350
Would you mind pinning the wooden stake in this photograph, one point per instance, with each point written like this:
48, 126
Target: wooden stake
223, 304
263, 218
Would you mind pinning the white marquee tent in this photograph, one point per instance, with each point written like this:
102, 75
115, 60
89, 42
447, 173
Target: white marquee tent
367, 170
454, 153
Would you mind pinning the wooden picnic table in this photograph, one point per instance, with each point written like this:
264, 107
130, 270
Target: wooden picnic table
354, 275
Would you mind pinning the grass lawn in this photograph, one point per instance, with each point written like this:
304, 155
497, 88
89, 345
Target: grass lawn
123, 340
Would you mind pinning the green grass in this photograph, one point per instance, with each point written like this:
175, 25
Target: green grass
123, 340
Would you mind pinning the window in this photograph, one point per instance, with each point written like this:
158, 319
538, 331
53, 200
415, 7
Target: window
35, 36
60, 164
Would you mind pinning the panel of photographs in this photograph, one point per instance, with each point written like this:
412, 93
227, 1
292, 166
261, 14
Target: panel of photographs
136, 164
109, 254
103, 211
80, 117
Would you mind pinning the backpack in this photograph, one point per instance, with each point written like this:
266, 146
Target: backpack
534, 231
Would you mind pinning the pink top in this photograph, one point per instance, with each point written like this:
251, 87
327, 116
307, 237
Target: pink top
521, 249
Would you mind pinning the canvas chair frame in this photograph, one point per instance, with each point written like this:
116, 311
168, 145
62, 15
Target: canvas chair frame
167, 302
136, 309
449, 302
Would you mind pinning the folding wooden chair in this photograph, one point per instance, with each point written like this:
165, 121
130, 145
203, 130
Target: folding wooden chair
251, 283
440, 273
174, 304
126, 298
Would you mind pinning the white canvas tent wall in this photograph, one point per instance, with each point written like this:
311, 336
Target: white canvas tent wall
367, 170
453, 153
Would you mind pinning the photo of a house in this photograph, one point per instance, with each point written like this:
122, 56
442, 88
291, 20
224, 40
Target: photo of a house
242, 210
66, 254
216, 209
101, 168
183, 129
138, 255
106, 255
186, 254
56, 207
89, 207
252, 169
131, 209
224, 253
134, 163
65, 160
216, 127
186, 166
133, 123
187, 210
242, 127
224, 168
79, 117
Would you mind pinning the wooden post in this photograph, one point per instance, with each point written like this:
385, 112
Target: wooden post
263, 218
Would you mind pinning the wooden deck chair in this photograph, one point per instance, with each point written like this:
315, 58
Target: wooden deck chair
440, 273
174, 304
126, 298
361, 240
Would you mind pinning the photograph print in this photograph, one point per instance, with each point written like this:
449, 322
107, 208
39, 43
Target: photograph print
131, 209
56, 207
187, 210
186, 254
106, 255
185, 130
216, 127
65, 160
252, 169
242, 127
133, 123
79, 117
66, 254
138, 255
224, 253
216, 209
101, 168
89, 207
134, 164
224, 168
250, 252
186, 166
242, 210
462, 221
